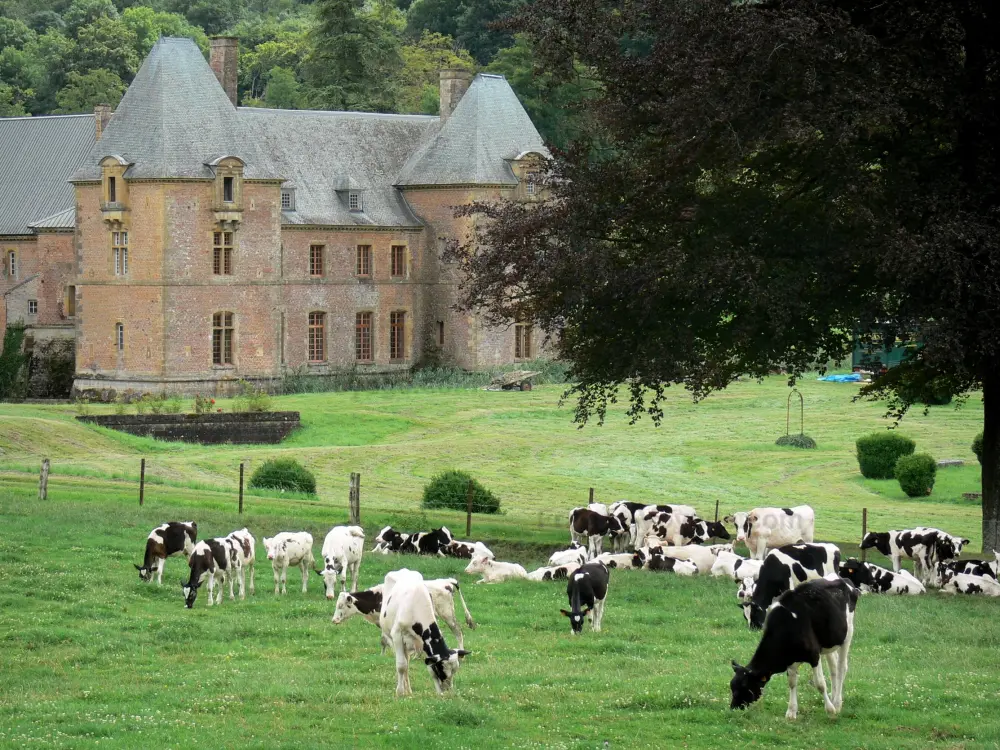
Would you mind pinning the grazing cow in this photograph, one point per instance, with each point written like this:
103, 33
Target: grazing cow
368, 604
576, 553
924, 545
467, 550
649, 515
617, 559
216, 560
342, 551
876, 580
963, 583
166, 540
702, 557
787, 567
247, 552
587, 591
494, 571
584, 522
745, 593
816, 619
553, 572
288, 549
408, 623
766, 528
680, 530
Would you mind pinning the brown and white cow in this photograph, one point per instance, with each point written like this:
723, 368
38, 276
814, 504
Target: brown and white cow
584, 522
215, 560
166, 540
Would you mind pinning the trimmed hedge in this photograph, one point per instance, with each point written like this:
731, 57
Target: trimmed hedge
977, 447
916, 474
878, 453
283, 474
451, 490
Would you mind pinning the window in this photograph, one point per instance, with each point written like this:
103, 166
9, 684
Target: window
119, 249
397, 335
287, 200
120, 337
70, 306
112, 192
440, 333
317, 337
222, 338
399, 260
316, 260
522, 341
363, 337
364, 260
354, 201
529, 185
32, 307
227, 189
222, 253
11, 264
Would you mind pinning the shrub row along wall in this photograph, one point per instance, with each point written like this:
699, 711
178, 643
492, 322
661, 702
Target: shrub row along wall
267, 427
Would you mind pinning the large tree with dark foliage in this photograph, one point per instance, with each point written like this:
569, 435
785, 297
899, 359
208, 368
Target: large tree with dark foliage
768, 179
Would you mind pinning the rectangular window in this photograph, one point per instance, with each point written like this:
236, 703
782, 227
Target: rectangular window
440, 333
354, 201
522, 341
112, 192
119, 249
222, 253
222, 338
32, 307
529, 185
399, 260
11, 264
316, 260
364, 260
120, 337
363, 337
317, 337
227, 189
70, 301
397, 335
287, 200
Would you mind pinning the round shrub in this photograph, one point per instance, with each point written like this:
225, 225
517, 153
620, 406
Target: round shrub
796, 441
977, 447
451, 490
283, 474
878, 453
916, 474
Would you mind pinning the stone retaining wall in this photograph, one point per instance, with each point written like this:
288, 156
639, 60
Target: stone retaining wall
255, 427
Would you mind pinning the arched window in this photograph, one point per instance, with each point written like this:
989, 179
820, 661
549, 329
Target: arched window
222, 338
317, 337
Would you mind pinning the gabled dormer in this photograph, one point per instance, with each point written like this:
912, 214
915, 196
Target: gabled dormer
350, 192
114, 189
528, 167
228, 190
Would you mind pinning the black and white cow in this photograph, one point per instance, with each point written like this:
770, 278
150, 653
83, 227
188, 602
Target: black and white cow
786, 568
553, 572
215, 559
342, 551
575, 553
679, 530
625, 512
963, 583
166, 540
246, 548
925, 545
418, 543
409, 624
816, 619
650, 515
390, 540
969, 567
587, 590
624, 560
584, 522
762, 529
876, 580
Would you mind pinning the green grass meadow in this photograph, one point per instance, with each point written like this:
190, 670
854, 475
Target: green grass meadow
91, 657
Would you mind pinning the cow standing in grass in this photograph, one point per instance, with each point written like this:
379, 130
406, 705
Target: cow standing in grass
587, 591
342, 551
786, 568
248, 563
166, 540
924, 545
289, 549
768, 528
215, 560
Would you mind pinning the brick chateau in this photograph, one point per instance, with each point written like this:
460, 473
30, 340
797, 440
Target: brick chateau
183, 242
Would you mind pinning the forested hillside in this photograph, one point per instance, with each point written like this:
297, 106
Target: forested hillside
65, 56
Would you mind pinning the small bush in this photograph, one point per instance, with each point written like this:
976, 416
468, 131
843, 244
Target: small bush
120, 405
173, 405
203, 404
878, 453
283, 474
977, 447
796, 441
916, 474
451, 490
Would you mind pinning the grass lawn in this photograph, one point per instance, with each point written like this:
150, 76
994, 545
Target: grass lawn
92, 657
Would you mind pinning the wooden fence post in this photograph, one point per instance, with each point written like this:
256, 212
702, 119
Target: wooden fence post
591, 500
142, 480
43, 481
716, 509
864, 531
468, 509
354, 499
241, 488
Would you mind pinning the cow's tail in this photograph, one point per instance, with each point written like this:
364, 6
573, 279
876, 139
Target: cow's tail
468, 615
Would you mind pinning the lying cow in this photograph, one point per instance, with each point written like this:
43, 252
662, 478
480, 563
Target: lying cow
809, 622
733, 566
553, 572
624, 560
651, 515
166, 540
342, 552
702, 557
288, 549
969, 567
467, 550
215, 560
786, 568
653, 558
924, 545
587, 590
767, 528
368, 604
576, 553
408, 623
418, 543
494, 571
389, 540
963, 583
584, 522
873, 579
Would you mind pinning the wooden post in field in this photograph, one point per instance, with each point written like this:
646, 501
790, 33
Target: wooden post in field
354, 499
241, 488
142, 480
591, 500
468, 509
43, 481
864, 530
716, 509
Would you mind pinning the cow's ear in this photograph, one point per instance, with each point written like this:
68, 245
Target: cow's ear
318, 572
462, 653
565, 613
737, 668
137, 567
587, 611
965, 541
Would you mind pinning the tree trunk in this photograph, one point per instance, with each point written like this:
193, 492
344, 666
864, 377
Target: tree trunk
991, 458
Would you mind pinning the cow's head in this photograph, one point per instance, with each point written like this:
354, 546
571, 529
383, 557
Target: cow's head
879, 541
477, 564
742, 523
190, 590
383, 535
944, 573
717, 530
745, 592
757, 615
443, 668
332, 568
145, 574
346, 606
856, 572
270, 547
576, 619
746, 686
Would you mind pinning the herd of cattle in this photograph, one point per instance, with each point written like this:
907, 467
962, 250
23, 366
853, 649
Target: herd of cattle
799, 591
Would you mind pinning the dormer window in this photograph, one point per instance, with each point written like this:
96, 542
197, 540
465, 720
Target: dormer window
112, 190
354, 201
227, 190
287, 199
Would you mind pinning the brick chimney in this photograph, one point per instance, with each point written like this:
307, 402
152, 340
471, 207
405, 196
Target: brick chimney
454, 83
102, 116
223, 57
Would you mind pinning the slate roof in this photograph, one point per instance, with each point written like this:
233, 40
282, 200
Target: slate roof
62, 220
488, 127
174, 117
323, 155
37, 155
